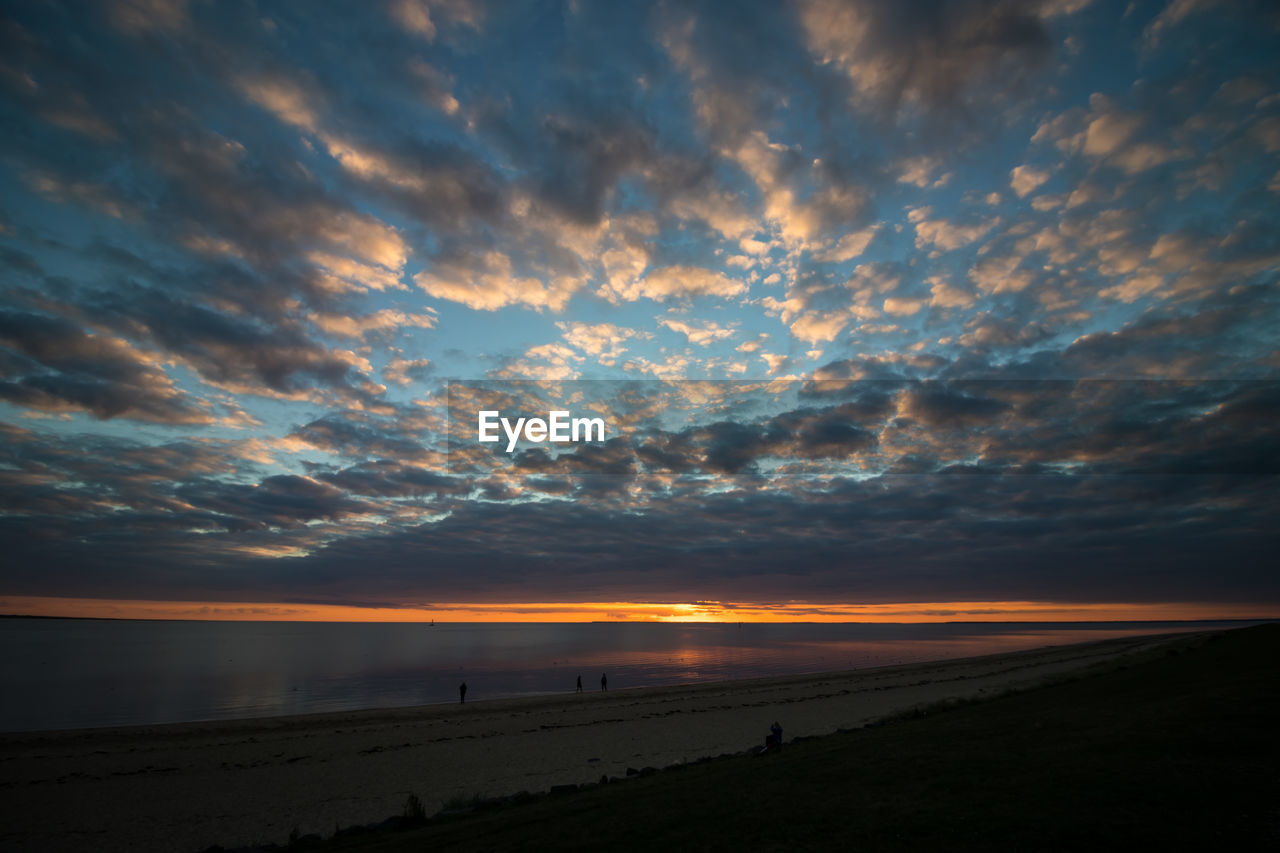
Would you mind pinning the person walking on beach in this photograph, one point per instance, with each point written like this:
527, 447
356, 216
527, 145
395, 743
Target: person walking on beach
462, 692
579, 690
604, 683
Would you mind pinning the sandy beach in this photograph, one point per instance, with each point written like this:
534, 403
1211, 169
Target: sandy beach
235, 783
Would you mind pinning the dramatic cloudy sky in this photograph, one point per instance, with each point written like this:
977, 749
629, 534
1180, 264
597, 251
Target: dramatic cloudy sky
911, 309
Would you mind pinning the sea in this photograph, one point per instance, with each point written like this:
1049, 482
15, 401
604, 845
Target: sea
86, 673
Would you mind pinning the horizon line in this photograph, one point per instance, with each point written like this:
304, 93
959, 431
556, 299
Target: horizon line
631, 612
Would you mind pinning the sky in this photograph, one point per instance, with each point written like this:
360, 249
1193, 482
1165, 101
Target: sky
897, 311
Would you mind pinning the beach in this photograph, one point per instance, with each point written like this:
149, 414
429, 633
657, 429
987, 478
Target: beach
237, 783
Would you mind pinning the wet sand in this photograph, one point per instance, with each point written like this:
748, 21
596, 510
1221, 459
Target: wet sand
235, 783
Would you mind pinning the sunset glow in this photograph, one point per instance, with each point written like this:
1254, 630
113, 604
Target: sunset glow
626, 611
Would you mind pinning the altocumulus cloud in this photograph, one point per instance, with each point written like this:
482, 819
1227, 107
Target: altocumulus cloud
995, 284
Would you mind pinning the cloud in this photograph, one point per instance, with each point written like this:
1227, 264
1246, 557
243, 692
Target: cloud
279, 501
240, 354
947, 235
1108, 132
603, 341
719, 209
401, 371
363, 236
1113, 136
943, 295
72, 112
63, 368
798, 215
361, 437
137, 17
701, 334
1025, 179
776, 362
414, 16
849, 246
343, 275
286, 99
1133, 288
1145, 155
545, 361
672, 367
1127, 423
918, 171
903, 307
385, 321
389, 479
682, 282
815, 327
1173, 14
950, 407
439, 184
1000, 274
98, 196
926, 54
488, 282
240, 255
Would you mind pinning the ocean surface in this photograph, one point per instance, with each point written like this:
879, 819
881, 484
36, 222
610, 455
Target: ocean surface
65, 673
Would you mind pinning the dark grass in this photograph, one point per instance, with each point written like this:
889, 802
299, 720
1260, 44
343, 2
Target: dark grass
1176, 750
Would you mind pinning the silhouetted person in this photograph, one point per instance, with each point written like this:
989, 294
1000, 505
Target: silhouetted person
604, 683
579, 690
775, 736
462, 692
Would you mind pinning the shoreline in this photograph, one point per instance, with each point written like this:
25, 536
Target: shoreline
251, 781
205, 723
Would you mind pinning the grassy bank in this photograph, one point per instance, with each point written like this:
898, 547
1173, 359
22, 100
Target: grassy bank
1179, 750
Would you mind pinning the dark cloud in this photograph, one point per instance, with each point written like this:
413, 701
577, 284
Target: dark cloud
1218, 340
240, 351
944, 538
361, 436
66, 368
442, 185
279, 501
992, 426
832, 434
390, 479
933, 52
612, 458
584, 158
1177, 474
951, 405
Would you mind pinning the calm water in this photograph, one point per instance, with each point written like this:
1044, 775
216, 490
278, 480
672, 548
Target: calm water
57, 674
